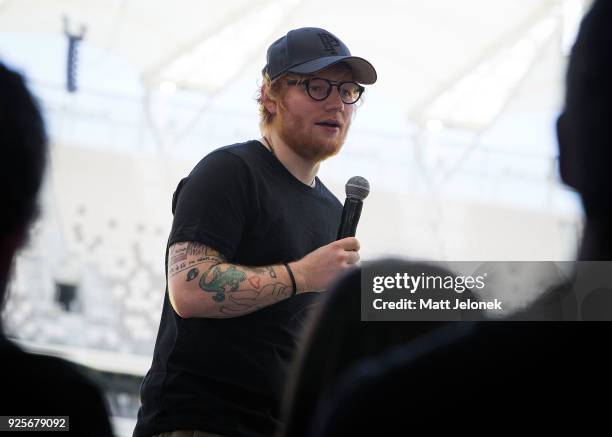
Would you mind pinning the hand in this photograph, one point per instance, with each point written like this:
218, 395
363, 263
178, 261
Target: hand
317, 270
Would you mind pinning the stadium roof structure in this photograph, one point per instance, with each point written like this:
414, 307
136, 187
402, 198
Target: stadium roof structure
455, 63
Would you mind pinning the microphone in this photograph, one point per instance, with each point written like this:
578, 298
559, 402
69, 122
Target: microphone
357, 189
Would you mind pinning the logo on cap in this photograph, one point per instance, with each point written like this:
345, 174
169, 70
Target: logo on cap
329, 43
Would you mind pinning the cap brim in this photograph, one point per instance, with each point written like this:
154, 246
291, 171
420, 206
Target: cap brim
363, 71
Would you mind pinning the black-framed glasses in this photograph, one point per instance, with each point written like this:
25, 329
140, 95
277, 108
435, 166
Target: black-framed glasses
319, 89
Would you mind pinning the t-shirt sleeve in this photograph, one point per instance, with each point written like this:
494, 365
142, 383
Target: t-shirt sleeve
212, 205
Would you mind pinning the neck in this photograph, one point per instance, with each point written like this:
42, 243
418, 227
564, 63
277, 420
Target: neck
596, 240
302, 169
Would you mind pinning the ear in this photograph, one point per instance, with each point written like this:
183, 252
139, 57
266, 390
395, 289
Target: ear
268, 102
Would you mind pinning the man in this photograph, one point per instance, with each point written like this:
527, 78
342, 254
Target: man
251, 243
33, 384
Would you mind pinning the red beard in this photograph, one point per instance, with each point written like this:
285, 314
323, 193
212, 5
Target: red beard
304, 139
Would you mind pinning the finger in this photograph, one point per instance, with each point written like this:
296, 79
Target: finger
352, 257
349, 243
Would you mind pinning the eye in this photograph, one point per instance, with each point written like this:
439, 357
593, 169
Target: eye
316, 88
349, 91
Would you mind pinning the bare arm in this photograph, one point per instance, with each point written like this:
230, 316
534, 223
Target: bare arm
202, 284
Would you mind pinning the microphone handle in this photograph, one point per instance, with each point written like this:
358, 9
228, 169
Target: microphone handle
350, 217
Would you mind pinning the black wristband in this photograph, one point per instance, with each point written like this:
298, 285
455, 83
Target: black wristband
292, 278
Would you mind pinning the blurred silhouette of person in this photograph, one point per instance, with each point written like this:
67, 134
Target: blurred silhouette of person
336, 339
33, 385
585, 163
583, 130
517, 376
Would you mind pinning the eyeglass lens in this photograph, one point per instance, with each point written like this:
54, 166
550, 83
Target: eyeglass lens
320, 89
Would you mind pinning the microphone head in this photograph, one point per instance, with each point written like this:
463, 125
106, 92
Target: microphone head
357, 188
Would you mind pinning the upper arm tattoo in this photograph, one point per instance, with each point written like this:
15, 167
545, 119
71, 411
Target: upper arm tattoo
187, 255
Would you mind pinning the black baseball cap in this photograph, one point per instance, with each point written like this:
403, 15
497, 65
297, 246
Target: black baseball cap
310, 49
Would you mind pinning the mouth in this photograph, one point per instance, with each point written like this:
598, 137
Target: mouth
330, 124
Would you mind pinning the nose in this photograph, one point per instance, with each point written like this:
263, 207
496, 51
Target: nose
334, 102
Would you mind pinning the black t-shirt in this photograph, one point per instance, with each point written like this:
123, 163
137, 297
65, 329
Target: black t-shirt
226, 375
37, 385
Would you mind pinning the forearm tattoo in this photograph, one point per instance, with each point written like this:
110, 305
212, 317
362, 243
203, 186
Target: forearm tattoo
236, 289
222, 281
240, 290
262, 270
